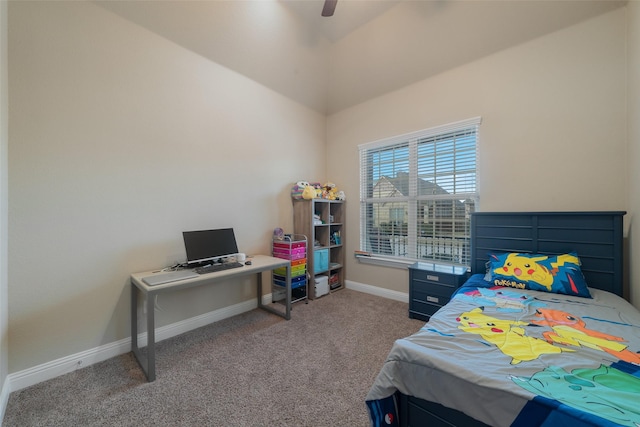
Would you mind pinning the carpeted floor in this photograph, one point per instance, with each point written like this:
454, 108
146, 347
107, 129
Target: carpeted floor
255, 369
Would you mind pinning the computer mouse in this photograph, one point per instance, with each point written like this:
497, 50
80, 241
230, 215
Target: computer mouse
247, 263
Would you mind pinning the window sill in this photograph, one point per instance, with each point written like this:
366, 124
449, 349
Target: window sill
383, 261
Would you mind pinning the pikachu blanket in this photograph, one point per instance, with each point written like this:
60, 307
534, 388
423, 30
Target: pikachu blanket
510, 357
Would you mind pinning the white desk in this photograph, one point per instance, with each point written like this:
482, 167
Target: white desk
259, 264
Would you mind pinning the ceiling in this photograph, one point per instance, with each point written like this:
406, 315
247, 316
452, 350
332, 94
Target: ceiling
349, 15
368, 48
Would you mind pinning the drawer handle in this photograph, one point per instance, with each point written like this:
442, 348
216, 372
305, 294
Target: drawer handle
434, 278
433, 299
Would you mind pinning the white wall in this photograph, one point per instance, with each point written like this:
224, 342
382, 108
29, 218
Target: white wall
119, 141
263, 40
4, 120
553, 133
633, 154
417, 39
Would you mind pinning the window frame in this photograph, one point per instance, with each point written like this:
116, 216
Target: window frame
413, 203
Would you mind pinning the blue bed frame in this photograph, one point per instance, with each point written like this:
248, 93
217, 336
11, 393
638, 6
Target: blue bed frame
595, 236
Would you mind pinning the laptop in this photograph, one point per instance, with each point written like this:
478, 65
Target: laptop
168, 277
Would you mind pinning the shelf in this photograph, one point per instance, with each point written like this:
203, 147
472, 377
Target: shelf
329, 236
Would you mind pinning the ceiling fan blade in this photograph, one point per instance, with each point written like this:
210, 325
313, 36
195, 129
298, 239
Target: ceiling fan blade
329, 7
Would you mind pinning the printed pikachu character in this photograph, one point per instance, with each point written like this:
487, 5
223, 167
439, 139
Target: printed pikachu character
529, 270
507, 335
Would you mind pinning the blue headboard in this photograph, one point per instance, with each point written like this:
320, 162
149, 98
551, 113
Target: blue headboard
595, 236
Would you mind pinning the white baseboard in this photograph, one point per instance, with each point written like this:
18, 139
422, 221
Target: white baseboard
375, 290
64, 365
4, 398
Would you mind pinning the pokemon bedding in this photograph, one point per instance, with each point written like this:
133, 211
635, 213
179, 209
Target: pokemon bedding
520, 357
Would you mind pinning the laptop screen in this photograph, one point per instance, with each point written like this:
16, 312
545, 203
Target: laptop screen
209, 245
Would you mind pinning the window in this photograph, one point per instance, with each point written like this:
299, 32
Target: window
417, 193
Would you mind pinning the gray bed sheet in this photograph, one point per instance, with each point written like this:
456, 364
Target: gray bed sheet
487, 352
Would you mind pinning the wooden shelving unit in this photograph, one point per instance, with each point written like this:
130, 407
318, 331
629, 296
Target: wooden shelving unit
322, 221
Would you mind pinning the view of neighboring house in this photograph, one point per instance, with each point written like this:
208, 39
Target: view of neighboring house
446, 218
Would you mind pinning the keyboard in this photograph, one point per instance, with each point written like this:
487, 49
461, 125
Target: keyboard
168, 277
217, 267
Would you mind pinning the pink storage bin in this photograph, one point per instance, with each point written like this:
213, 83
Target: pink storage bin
296, 253
292, 245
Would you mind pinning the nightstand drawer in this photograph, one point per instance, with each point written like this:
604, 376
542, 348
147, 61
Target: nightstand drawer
430, 295
422, 310
430, 288
440, 278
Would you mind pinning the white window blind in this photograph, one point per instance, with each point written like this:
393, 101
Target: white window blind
417, 193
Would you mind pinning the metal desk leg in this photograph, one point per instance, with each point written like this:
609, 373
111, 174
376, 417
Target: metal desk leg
134, 320
147, 364
151, 339
260, 305
287, 313
288, 286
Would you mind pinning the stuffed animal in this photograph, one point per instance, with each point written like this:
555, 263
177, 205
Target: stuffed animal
298, 188
329, 191
278, 234
341, 195
309, 192
318, 188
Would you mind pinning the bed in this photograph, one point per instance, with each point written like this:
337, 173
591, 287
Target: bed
516, 349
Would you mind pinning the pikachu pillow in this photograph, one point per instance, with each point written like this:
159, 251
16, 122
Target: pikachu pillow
559, 274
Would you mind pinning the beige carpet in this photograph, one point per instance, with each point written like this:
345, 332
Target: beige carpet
255, 369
